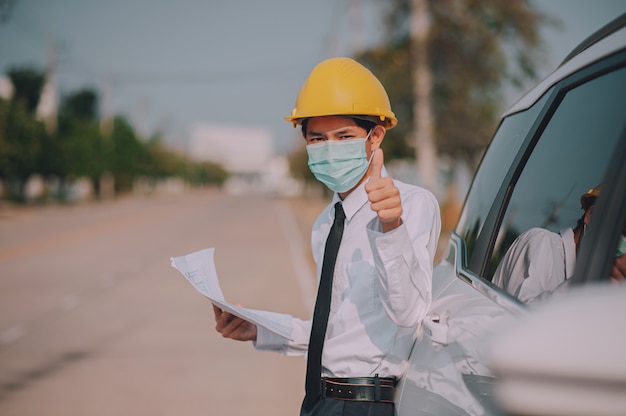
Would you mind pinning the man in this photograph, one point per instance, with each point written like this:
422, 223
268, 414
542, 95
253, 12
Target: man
382, 277
539, 261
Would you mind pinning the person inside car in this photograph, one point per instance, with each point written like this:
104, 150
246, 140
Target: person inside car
618, 272
540, 260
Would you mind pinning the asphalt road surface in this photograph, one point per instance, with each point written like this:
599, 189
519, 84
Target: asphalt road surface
95, 321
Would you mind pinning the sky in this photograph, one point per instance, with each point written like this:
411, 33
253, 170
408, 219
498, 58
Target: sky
167, 65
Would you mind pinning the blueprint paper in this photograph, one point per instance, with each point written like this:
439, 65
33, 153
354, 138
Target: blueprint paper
199, 269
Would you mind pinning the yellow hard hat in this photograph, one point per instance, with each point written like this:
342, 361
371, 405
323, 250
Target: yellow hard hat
589, 198
342, 86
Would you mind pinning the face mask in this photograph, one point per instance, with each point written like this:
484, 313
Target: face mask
338, 164
621, 247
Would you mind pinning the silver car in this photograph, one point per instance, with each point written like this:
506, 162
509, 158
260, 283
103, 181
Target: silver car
561, 142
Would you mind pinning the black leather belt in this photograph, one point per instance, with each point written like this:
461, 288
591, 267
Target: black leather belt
371, 389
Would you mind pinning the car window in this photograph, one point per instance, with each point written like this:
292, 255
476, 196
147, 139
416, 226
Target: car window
493, 168
569, 159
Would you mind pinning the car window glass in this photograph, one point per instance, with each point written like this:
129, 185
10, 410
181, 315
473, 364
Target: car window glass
494, 166
569, 159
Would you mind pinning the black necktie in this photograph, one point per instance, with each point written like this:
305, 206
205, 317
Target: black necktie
322, 307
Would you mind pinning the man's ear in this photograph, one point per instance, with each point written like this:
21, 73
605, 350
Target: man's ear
376, 136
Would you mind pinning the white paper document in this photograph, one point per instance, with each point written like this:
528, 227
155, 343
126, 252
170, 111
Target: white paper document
199, 269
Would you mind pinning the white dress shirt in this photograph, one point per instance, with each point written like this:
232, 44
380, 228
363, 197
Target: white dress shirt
537, 262
381, 288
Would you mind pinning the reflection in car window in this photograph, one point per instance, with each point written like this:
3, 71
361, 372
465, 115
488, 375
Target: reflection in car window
570, 158
494, 166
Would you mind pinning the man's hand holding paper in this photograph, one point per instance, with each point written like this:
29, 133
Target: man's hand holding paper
232, 321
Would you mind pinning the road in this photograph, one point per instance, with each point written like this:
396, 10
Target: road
95, 321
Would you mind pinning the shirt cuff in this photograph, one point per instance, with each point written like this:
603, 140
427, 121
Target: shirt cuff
268, 341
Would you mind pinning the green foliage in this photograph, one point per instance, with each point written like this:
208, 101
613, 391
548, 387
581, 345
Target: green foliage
81, 104
476, 47
391, 64
299, 164
20, 142
128, 155
205, 173
299, 168
79, 149
28, 83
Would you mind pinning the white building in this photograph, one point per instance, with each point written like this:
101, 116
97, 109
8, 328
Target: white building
247, 153
240, 150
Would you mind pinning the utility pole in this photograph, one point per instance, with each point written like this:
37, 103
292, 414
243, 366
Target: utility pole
106, 113
355, 22
47, 106
425, 150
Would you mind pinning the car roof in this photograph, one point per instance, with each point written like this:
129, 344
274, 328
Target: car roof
598, 35
606, 41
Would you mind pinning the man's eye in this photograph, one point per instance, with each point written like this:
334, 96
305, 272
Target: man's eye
315, 139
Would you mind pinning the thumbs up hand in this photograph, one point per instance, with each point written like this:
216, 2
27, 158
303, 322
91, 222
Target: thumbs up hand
383, 195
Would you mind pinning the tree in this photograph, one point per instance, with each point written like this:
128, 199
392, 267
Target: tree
78, 148
82, 104
81, 149
127, 153
20, 146
299, 168
28, 83
475, 48
298, 165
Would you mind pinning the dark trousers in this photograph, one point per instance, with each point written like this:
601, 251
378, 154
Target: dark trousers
334, 407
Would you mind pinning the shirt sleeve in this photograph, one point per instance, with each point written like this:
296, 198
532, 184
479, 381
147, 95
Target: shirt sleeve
539, 260
526, 269
404, 258
298, 345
